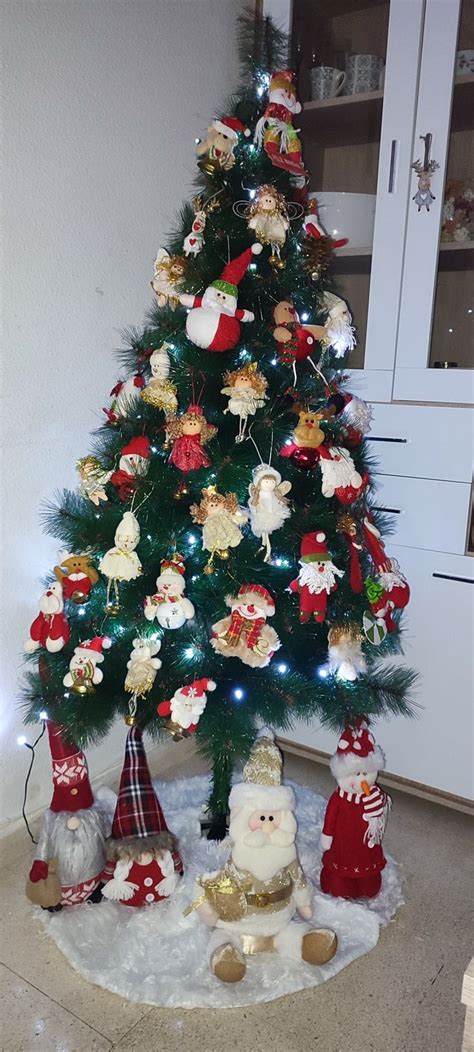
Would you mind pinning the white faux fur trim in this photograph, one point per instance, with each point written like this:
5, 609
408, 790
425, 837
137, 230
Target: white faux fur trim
277, 797
342, 764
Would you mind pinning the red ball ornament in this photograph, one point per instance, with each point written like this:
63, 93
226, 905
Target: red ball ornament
305, 458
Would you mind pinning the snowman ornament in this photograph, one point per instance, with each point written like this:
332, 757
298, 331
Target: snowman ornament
84, 675
169, 605
213, 321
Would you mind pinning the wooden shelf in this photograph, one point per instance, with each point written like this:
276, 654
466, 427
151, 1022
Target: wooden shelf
456, 246
345, 120
348, 253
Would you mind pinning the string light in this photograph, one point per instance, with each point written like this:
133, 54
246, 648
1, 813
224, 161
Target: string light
154, 449
282, 668
273, 361
238, 693
81, 612
43, 715
252, 194
304, 316
189, 652
21, 740
192, 538
323, 672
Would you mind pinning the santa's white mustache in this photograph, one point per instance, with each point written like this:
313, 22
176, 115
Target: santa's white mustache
277, 838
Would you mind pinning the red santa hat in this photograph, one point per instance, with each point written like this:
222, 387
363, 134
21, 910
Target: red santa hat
72, 789
138, 447
92, 648
234, 271
256, 594
261, 786
314, 548
138, 815
198, 689
232, 127
356, 750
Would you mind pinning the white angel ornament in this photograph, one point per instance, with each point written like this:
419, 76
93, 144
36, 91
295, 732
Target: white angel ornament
121, 563
269, 215
168, 275
245, 389
268, 505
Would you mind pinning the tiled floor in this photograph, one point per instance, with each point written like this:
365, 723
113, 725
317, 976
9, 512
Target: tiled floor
402, 997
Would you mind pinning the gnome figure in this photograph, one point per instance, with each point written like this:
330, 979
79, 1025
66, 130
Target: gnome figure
245, 633
214, 320
144, 864
317, 577
70, 853
252, 901
355, 819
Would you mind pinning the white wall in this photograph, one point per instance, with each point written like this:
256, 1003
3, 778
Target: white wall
103, 99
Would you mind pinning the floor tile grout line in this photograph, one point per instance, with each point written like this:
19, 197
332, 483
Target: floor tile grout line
116, 1044
58, 1003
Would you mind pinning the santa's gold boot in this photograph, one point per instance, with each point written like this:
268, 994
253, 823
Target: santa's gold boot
228, 964
319, 946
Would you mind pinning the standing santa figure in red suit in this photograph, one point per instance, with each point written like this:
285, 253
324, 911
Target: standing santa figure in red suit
355, 818
144, 861
317, 577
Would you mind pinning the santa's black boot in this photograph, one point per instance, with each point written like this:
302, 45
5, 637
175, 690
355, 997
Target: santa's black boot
53, 909
96, 894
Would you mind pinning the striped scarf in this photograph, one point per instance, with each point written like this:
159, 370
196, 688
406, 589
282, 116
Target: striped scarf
240, 625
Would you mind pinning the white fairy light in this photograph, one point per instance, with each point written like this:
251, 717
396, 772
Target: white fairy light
21, 740
323, 672
238, 693
43, 714
192, 538
282, 667
304, 316
81, 611
252, 194
189, 652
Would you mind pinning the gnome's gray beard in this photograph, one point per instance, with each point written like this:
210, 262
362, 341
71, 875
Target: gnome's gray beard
260, 854
79, 852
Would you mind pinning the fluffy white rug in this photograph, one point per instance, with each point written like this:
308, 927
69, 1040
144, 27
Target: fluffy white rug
158, 957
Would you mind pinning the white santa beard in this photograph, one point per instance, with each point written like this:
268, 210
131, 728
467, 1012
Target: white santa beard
390, 580
339, 472
316, 580
181, 714
79, 852
264, 860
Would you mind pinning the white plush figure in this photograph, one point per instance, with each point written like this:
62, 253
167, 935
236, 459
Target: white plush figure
50, 628
339, 474
169, 605
346, 660
124, 396
252, 901
340, 333
213, 320
121, 563
186, 706
142, 665
268, 506
160, 391
83, 673
245, 389
194, 241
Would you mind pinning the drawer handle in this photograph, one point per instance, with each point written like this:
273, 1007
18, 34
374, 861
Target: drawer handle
390, 511
393, 165
451, 577
375, 438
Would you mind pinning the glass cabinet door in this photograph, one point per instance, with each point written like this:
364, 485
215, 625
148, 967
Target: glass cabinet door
435, 354
357, 64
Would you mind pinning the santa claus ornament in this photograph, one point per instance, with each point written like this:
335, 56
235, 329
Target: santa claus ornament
275, 131
94, 479
296, 342
125, 395
340, 477
144, 864
70, 854
188, 434
50, 629
185, 708
160, 391
77, 577
346, 660
213, 322
246, 390
169, 605
142, 666
268, 505
317, 246
317, 577
133, 465
387, 591
251, 902
168, 276
83, 675
339, 333
355, 818
221, 517
245, 633
121, 563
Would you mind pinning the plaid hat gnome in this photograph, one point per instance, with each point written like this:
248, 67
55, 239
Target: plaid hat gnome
144, 860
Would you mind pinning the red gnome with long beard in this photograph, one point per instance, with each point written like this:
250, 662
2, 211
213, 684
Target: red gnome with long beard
355, 818
70, 854
317, 577
144, 861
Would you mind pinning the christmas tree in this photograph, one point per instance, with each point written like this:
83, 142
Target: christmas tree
223, 517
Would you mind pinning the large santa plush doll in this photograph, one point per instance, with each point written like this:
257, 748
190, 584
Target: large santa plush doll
355, 819
251, 903
70, 854
317, 577
144, 863
214, 320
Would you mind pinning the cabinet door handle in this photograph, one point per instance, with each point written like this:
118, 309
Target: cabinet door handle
451, 577
390, 511
392, 166
377, 438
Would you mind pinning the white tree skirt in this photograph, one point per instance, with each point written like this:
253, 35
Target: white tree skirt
156, 956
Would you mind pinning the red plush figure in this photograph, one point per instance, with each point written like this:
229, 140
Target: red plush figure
188, 435
214, 319
144, 861
340, 478
50, 629
133, 464
389, 590
313, 227
317, 577
275, 131
124, 394
348, 525
185, 707
355, 819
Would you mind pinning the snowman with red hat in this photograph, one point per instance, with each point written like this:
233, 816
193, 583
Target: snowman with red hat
83, 675
144, 863
133, 464
70, 853
317, 577
355, 818
185, 707
214, 319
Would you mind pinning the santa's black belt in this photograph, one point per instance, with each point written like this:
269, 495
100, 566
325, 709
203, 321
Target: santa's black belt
267, 898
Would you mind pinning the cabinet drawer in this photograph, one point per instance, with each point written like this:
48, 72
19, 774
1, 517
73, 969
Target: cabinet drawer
428, 514
423, 441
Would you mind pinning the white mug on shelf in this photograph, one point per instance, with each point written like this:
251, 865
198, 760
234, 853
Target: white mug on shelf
326, 82
465, 63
